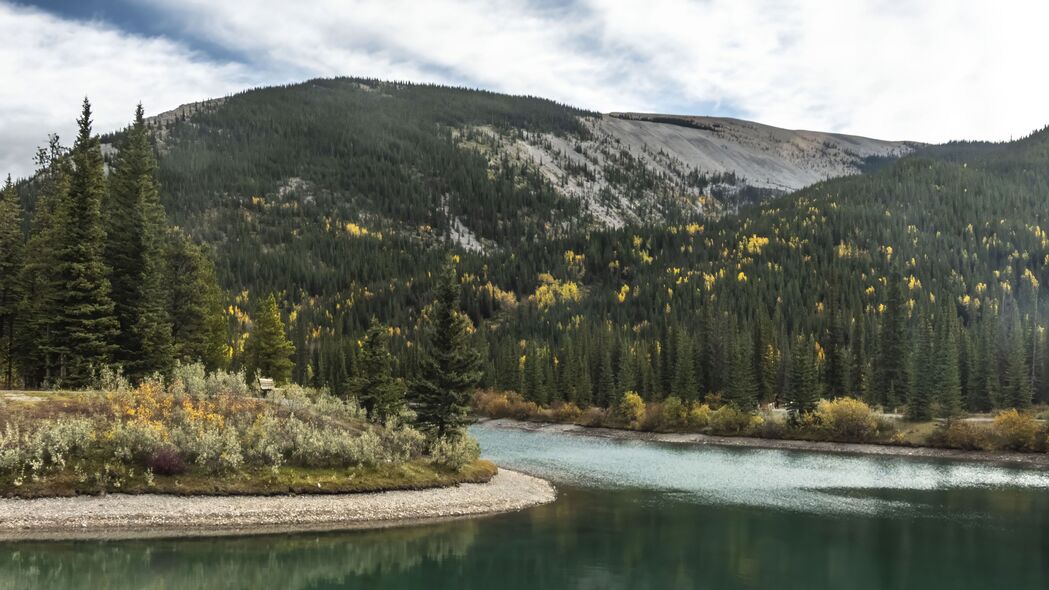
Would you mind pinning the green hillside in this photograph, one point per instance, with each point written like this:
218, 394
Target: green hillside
915, 285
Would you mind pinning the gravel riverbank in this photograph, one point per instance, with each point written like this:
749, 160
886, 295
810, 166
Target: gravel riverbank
1005, 458
134, 516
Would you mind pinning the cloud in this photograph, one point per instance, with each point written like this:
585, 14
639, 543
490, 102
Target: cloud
931, 70
48, 65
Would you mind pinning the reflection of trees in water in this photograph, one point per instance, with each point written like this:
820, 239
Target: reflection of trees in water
287, 561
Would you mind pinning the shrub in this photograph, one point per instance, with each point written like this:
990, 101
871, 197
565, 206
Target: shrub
111, 379
699, 415
222, 382
1015, 431
166, 461
767, 426
191, 377
674, 413
959, 434
565, 412
730, 420
593, 416
455, 451
630, 410
845, 419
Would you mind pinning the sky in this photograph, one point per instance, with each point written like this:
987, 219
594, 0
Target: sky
929, 70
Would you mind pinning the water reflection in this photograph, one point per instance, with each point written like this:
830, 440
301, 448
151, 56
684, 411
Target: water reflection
677, 519
756, 477
273, 561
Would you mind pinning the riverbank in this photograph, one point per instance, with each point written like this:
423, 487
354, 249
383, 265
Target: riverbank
1004, 458
152, 515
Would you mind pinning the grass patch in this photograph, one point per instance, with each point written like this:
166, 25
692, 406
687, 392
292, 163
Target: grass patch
413, 475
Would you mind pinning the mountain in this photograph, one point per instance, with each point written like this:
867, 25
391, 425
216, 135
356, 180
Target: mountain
599, 250
611, 170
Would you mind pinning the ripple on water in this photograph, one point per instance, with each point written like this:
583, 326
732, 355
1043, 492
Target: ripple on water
755, 477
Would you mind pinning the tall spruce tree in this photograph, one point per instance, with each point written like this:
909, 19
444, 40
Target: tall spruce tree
949, 394
1017, 391
923, 387
194, 304
802, 382
11, 250
742, 390
684, 386
37, 338
837, 373
268, 351
451, 363
135, 253
86, 325
374, 386
891, 371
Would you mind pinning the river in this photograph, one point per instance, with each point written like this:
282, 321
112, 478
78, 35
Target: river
633, 515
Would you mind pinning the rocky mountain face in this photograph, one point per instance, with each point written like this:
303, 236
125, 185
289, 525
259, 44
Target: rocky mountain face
614, 169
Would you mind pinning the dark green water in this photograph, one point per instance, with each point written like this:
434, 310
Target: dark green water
634, 515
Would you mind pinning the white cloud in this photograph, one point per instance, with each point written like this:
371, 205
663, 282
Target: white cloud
48, 65
931, 70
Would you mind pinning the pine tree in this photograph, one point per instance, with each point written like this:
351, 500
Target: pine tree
11, 249
606, 380
949, 398
135, 254
684, 386
195, 304
919, 404
268, 351
584, 383
626, 379
451, 363
1017, 391
837, 373
802, 393
37, 337
378, 392
86, 327
741, 390
891, 375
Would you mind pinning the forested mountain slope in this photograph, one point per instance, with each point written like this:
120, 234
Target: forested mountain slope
595, 264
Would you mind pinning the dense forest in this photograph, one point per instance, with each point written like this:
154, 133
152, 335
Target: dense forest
915, 286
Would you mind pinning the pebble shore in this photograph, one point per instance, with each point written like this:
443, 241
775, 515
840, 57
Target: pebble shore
133, 516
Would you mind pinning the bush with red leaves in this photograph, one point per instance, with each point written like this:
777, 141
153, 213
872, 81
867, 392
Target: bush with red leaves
166, 461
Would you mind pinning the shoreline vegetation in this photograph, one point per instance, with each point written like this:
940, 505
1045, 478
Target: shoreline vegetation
146, 516
207, 434
840, 425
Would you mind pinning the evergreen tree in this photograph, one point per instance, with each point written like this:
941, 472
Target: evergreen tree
37, 336
919, 404
584, 383
626, 380
802, 393
11, 244
741, 390
195, 304
268, 351
378, 392
1017, 391
891, 376
949, 398
837, 359
86, 326
135, 254
451, 363
606, 381
684, 386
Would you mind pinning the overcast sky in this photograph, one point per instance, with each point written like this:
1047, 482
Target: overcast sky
928, 70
